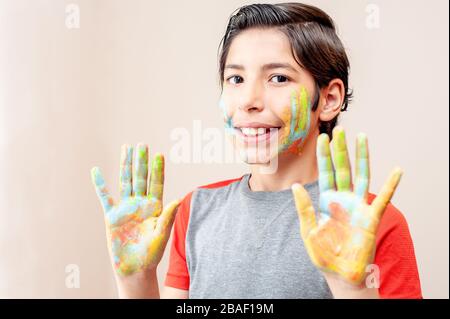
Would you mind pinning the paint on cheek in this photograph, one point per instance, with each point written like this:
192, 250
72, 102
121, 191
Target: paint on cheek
296, 120
229, 128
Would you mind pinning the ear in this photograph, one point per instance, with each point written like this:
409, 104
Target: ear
332, 99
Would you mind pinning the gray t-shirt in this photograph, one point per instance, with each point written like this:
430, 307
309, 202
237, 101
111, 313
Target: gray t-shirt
246, 244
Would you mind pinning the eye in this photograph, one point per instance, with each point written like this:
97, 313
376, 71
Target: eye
279, 78
235, 79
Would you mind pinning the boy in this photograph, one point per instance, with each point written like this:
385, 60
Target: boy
284, 78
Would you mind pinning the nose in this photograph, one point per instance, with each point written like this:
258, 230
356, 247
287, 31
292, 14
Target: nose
252, 98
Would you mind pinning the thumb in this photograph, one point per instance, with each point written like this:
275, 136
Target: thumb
384, 196
167, 217
305, 210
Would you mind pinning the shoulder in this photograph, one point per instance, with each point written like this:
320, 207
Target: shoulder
221, 183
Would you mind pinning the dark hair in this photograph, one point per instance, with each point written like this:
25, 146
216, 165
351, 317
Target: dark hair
314, 43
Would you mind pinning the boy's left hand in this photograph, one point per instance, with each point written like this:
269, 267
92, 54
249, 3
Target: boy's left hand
343, 241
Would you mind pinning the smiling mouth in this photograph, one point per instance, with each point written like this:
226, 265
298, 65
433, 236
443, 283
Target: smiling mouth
256, 133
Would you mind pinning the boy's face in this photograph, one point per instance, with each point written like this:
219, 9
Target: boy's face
267, 97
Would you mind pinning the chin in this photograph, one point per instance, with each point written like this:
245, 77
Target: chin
258, 157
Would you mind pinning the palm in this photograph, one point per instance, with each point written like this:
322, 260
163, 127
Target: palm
137, 228
132, 226
343, 241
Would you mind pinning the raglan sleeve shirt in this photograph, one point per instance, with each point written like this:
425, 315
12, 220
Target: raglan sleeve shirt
394, 256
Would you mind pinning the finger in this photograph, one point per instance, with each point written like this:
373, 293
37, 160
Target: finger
157, 177
387, 191
126, 159
305, 210
341, 160
165, 220
140, 170
326, 173
362, 178
101, 190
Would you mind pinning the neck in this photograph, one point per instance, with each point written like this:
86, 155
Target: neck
292, 168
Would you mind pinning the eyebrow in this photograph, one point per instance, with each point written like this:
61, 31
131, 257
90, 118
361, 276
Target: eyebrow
265, 67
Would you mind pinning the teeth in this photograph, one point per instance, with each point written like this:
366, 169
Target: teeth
251, 131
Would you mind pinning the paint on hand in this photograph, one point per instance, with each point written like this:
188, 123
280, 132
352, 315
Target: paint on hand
343, 241
137, 226
296, 120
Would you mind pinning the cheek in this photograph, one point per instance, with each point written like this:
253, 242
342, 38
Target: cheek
281, 108
286, 117
296, 120
229, 99
225, 112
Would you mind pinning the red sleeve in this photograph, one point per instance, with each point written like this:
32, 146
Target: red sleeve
178, 275
395, 258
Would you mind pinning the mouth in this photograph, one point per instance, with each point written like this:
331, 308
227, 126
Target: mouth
256, 132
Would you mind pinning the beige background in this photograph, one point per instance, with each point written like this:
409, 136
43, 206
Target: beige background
136, 70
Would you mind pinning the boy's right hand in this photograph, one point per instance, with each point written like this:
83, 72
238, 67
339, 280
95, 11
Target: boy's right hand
137, 227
